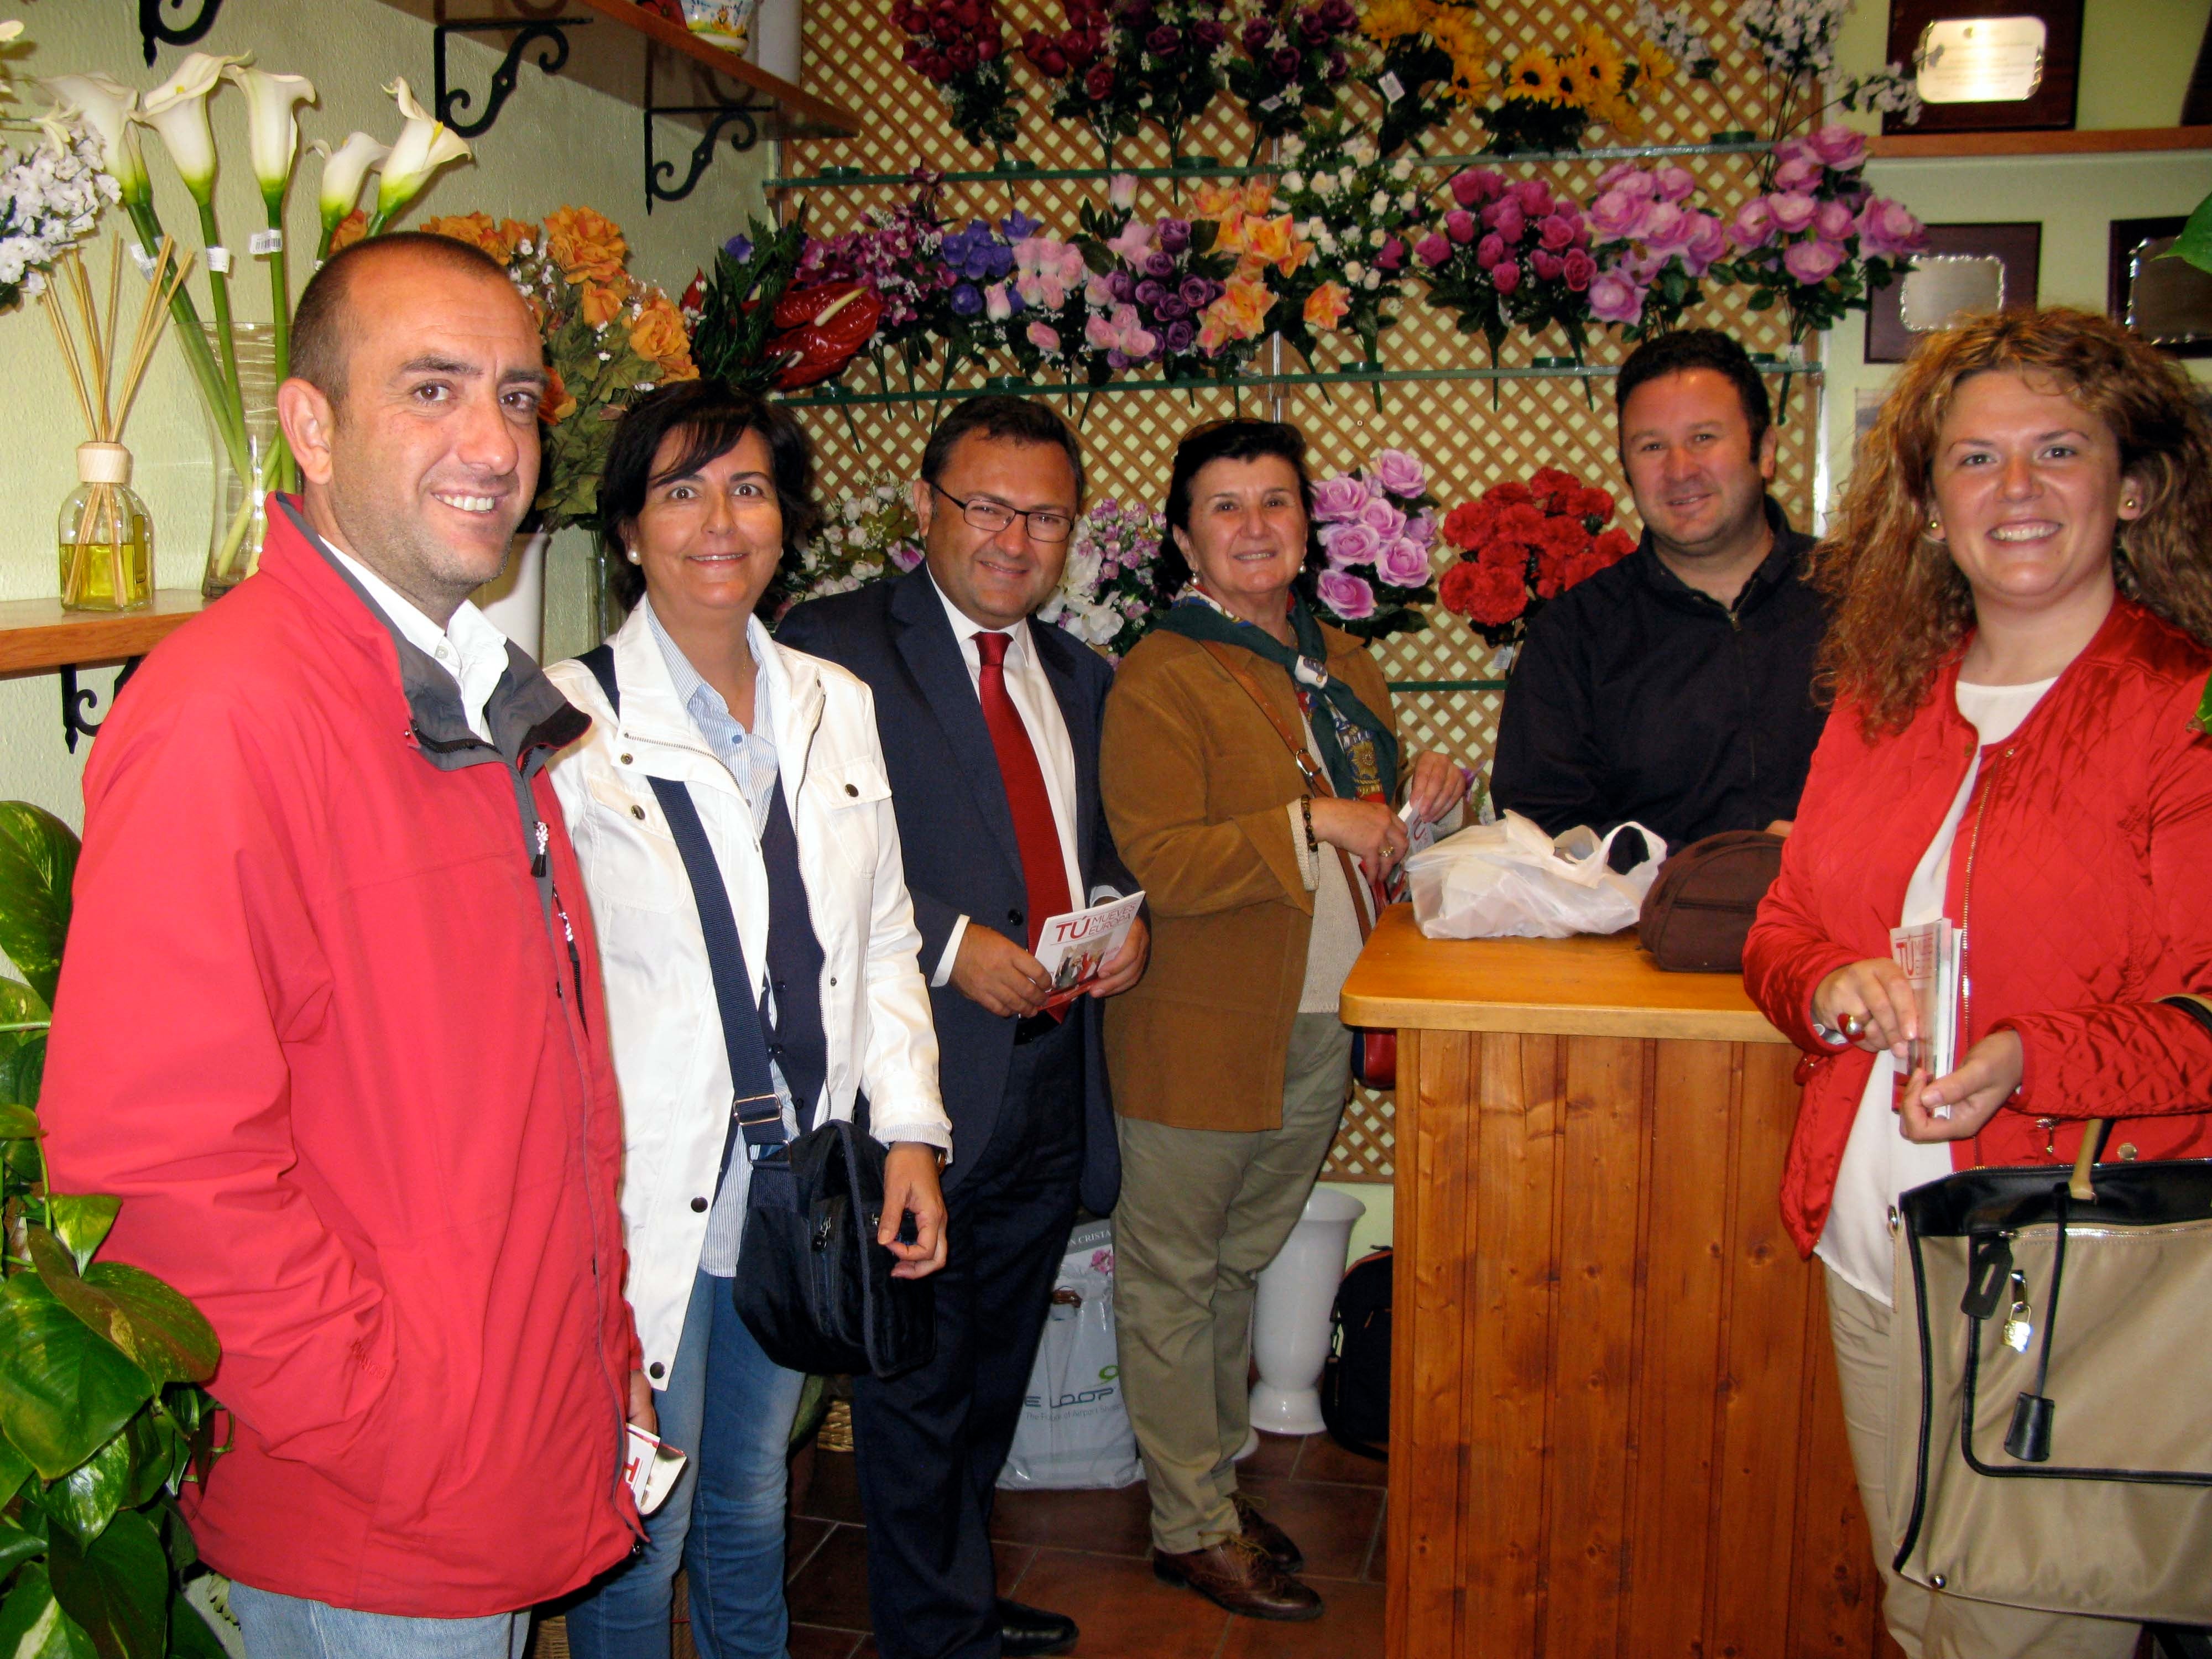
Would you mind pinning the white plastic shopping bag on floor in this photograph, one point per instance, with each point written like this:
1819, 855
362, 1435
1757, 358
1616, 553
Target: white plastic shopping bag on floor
1074, 1430
1510, 880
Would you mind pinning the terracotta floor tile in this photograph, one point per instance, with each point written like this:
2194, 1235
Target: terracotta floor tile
802, 1536
1124, 1611
1277, 1457
1012, 1560
1324, 1460
1350, 1627
1331, 1525
832, 1588
1109, 1522
833, 1493
814, 1641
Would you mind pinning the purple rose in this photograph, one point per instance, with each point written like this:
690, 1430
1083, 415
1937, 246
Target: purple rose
1754, 224
1505, 277
1887, 231
1390, 255
1614, 299
1707, 243
1804, 173
1547, 266
1792, 211
1578, 269
1490, 250
1116, 359
1122, 285
1433, 250
1283, 61
1349, 597
1338, 498
1473, 186
1170, 307
1349, 544
1180, 335
1838, 146
1207, 32
1813, 262
1506, 218
1460, 225
1150, 293
1195, 292
1400, 473
1673, 184
1832, 220
906, 555
1172, 235
1618, 216
1402, 564
1162, 40
1421, 529
1256, 31
1159, 264
1384, 518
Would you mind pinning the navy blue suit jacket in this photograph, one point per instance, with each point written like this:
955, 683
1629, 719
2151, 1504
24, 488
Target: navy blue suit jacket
957, 831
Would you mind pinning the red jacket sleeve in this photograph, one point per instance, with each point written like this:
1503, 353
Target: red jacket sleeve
1787, 953
191, 962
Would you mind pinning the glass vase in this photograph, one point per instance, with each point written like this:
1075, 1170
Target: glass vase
241, 511
105, 535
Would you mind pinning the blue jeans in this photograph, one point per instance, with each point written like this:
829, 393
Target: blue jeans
723, 1524
291, 1627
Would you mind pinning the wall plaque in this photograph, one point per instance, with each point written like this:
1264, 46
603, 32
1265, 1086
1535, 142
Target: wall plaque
1989, 65
2167, 301
1967, 268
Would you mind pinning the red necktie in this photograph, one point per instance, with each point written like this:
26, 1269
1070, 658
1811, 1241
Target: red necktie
1044, 867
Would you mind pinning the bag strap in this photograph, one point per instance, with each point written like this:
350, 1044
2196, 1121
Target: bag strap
1317, 784
2081, 1187
756, 1109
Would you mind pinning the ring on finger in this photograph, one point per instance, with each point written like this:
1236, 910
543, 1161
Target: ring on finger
1853, 1026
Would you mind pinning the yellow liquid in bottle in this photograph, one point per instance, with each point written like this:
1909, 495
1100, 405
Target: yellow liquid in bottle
106, 561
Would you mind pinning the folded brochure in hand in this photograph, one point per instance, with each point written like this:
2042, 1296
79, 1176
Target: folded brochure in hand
1074, 949
1928, 954
650, 1468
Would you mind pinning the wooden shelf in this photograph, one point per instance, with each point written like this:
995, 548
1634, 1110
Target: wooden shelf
37, 635
800, 113
1966, 146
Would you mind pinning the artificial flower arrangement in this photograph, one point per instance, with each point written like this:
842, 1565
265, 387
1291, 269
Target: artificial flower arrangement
52, 193
1820, 241
1159, 292
1376, 527
609, 337
1431, 59
1122, 63
1359, 211
1522, 545
1796, 40
1654, 247
1510, 256
1294, 60
1549, 100
959, 46
1045, 297
1108, 593
867, 537
897, 254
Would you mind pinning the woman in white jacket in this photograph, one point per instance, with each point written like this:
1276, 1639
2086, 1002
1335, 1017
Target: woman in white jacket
703, 490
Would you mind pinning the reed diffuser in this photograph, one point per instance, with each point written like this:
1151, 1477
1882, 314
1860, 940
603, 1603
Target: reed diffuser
106, 535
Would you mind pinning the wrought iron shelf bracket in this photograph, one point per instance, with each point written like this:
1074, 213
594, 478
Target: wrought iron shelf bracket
78, 702
549, 34
154, 30
740, 120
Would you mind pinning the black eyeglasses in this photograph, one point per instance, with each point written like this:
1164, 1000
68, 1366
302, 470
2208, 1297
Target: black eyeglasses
1042, 524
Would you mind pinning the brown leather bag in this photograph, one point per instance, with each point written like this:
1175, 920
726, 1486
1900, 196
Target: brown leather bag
1699, 911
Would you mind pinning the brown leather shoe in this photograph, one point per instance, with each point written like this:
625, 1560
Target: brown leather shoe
1236, 1575
1267, 1535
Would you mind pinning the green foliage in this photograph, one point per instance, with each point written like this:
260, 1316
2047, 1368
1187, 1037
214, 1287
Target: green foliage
2195, 242
100, 1418
736, 313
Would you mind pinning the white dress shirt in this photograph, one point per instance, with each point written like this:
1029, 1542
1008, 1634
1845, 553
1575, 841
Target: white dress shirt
468, 647
1032, 692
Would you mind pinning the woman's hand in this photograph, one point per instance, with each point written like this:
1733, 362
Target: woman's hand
641, 1414
910, 1188
1368, 829
1877, 993
1435, 785
1983, 1083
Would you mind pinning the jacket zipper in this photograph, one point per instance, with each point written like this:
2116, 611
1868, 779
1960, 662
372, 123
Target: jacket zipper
1982, 787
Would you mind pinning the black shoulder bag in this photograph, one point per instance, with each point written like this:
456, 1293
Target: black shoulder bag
813, 1285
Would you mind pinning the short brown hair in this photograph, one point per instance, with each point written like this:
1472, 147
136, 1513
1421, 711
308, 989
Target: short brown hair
322, 332
1901, 604
998, 414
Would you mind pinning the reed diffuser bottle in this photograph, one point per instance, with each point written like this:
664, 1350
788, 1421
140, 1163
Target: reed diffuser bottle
106, 537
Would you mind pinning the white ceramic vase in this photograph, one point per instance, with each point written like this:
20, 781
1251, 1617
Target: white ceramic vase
1290, 1314
514, 601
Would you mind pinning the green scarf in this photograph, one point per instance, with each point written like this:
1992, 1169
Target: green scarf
1196, 618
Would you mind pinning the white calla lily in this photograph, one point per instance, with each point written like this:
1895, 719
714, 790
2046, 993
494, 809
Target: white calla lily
177, 109
343, 170
424, 145
273, 135
108, 108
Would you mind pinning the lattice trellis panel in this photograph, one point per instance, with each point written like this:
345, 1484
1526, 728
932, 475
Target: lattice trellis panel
1472, 434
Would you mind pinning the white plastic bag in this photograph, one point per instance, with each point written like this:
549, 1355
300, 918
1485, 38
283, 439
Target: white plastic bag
1074, 1430
1510, 880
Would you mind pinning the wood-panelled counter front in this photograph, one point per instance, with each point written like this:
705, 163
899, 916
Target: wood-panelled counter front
1614, 1424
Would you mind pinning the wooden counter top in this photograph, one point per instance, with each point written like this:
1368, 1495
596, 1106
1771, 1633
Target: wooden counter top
1589, 986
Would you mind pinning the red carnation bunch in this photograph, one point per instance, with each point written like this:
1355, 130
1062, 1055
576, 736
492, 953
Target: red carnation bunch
1522, 545
960, 46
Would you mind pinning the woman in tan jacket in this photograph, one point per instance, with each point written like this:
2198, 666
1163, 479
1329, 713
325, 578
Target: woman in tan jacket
1249, 763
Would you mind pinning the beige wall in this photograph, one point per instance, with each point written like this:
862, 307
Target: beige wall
555, 143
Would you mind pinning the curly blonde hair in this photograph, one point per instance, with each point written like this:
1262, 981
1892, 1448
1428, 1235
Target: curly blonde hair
1899, 604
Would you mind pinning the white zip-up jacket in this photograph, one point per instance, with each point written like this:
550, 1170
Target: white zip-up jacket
664, 1029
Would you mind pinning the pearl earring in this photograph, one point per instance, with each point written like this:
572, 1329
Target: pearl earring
632, 555
1935, 524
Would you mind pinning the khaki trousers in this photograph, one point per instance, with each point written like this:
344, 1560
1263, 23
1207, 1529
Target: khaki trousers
1201, 1211
1927, 1624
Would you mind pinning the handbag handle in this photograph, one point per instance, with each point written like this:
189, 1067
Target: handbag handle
2082, 1188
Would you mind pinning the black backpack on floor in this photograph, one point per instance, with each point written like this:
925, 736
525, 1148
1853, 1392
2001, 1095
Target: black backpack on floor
1355, 1383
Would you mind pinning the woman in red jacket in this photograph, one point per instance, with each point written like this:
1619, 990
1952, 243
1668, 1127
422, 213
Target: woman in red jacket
2023, 626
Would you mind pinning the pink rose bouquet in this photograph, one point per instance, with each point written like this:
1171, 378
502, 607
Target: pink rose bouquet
1374, 529
1517, 256
1652, 248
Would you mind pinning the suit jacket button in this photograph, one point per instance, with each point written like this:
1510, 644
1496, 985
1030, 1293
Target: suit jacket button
638, 812
698, 1206
658, 1369
1014, 917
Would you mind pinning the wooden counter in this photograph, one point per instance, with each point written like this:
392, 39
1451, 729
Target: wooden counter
1614, 1424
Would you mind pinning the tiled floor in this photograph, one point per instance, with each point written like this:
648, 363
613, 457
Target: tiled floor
1086, 1554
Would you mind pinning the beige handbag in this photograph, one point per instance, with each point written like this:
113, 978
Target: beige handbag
2050, 1456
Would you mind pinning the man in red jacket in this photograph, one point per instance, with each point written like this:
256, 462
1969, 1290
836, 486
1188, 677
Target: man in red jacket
363, 1113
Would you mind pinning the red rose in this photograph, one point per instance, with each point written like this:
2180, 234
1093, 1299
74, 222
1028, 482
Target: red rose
1099, 82
1496, 596
1468, 524
986, 47
961, 54
1456, 592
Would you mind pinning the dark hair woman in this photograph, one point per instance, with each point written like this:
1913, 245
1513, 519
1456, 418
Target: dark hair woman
704, 491
1251, 772
2023, 624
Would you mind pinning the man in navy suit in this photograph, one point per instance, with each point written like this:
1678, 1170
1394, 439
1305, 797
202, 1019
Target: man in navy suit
990, 731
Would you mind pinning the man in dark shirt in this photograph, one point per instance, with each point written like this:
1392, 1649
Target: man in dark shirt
1674, 688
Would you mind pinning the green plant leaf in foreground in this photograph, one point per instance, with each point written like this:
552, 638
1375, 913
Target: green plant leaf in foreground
64, 1389
117, 1588
2195, 242
189, 1635
16, 1546
32, 1625
81, 1220
14, 1469
155, 1325
18, 1123
2202, 721
38, 860
86, 1498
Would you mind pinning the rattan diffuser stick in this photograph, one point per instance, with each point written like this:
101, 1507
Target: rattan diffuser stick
88, 354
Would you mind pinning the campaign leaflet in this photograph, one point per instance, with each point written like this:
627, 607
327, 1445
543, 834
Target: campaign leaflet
1074, 948
1928, 954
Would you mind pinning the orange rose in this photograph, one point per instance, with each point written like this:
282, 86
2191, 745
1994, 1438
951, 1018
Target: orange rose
476, 229
585, 244
350, 229
1259, 195
1326, 305
1215, 201
600, 304
557, 404
1248, 301
658, 336
515, 232
1268, 240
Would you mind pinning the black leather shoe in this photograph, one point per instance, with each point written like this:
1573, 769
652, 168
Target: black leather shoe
1024, 1631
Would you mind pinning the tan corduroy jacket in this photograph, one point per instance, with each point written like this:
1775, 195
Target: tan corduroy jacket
1197, 783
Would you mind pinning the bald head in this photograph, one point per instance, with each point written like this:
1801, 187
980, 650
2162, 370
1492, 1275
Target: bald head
324, 330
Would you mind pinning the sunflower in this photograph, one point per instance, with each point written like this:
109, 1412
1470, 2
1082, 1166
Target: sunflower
1576, 85
1654, 68
1618, 111
1535, 76
1456, 36
1600, 58
1391, 20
